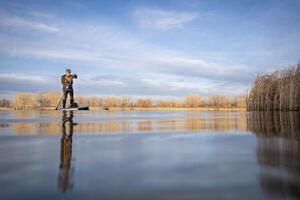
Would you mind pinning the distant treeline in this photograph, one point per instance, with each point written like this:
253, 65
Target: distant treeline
48, 100
277, 91
5, 103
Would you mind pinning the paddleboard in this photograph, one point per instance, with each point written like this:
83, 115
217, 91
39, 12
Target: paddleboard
74, 109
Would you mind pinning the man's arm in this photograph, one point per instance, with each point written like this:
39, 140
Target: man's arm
63, 80
74, 76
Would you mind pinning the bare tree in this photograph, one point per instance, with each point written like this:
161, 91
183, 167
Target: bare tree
53, 98
82, 100
144, 102
5, 103
111, 101
166, 103
50, 99
126, 100
23, 101
42, 100
192, 101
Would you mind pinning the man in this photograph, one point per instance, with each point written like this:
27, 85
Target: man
67, 82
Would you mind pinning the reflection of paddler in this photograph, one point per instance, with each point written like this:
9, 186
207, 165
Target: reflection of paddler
65, 175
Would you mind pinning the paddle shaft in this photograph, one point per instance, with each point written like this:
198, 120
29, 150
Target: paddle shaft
61, 98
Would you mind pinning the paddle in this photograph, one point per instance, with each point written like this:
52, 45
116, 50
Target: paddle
61, 98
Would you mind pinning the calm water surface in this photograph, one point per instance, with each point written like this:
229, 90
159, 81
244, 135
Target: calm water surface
149, 155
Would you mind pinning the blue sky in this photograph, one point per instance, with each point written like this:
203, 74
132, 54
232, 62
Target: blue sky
158, 49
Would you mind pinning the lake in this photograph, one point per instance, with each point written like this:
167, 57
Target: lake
149, 155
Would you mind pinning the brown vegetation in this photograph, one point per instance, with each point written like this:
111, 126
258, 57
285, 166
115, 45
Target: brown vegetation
5, 103
33, 101
277, 91
23, 101
49, 100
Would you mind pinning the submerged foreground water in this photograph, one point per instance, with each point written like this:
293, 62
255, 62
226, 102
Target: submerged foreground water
149, 155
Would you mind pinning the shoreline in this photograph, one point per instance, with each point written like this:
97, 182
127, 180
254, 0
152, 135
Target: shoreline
147, 109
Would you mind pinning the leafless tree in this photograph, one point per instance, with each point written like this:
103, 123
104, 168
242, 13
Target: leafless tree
23, 101
144, 102
5, 103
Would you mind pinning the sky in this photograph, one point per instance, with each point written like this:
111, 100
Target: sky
145, 48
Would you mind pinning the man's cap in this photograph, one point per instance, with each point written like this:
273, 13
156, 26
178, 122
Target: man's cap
68, 70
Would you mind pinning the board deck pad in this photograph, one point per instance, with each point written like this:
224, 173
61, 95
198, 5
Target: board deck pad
74, 109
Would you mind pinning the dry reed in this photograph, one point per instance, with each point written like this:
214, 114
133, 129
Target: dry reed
277, 91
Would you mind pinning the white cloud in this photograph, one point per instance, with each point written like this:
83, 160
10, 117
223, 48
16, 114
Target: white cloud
101, 82
158, 62
161, 19
24, 78
132, 56
110, 47
40, 14
12, 83
154, 84
16, 22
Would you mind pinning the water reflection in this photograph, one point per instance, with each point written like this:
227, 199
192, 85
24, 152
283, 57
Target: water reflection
264, 164
271, 124
43, 123
65, 177
280, 163
278, 152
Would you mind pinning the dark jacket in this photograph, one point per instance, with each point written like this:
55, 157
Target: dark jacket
67, 83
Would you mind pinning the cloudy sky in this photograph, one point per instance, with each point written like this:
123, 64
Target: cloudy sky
160, 49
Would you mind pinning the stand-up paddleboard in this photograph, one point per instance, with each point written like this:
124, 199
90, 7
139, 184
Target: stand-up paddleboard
73, 109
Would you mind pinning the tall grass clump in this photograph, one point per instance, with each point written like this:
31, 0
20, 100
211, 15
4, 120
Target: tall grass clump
277, 91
